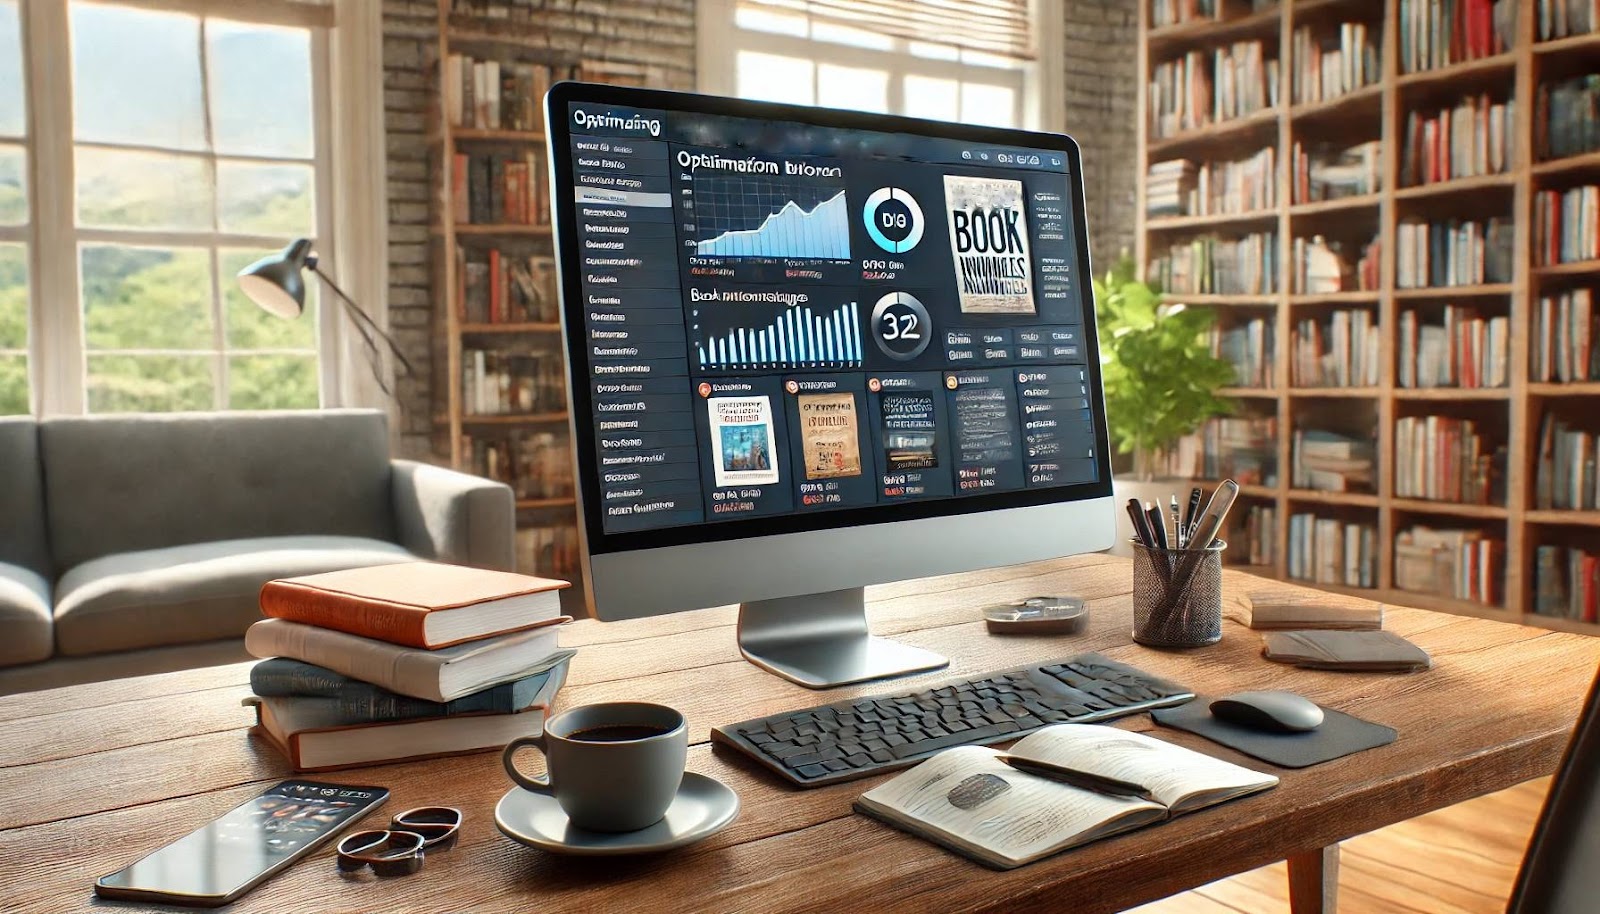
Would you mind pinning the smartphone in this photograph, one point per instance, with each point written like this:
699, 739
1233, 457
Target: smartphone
219, 862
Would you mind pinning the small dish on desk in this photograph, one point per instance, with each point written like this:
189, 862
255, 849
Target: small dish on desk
703, 807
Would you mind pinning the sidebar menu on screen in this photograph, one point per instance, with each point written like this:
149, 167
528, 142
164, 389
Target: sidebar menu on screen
633, 321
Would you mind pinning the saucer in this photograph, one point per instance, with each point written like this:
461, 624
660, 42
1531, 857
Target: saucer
703, 807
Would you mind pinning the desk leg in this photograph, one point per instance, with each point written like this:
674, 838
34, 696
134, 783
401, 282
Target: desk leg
1314, 881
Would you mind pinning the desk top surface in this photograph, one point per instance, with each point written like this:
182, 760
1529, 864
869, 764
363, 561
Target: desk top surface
94, 776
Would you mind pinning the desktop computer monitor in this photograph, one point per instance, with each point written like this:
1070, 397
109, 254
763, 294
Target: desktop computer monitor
810, 350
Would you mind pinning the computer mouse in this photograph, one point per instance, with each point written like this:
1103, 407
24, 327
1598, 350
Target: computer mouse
1271, 711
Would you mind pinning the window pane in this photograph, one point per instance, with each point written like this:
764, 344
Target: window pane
995, 106
13, 297
13, 185
770, 21
149, 383
260, 89
247, 326
927, 96
13, 119
151, 190
852, 87
146, 298
13, 385
264, 199
272, 382
844, 34
774, 78
136, 77
934, 51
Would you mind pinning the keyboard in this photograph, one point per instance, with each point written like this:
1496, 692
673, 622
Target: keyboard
861, 737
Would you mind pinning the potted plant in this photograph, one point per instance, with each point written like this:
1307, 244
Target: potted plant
1160, 377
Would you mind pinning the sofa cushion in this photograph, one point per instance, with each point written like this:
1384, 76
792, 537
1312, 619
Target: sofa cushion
118, 484
198, 592
24, 615
22, 532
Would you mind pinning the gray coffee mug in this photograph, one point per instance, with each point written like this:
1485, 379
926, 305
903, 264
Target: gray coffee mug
613, 767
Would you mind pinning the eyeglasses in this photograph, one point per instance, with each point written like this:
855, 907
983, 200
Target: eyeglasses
399, 849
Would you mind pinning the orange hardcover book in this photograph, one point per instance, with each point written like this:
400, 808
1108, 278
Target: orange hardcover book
425, 605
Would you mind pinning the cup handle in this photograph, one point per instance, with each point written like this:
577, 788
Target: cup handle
526, 782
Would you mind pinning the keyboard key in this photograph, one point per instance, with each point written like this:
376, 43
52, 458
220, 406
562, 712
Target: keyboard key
812, 771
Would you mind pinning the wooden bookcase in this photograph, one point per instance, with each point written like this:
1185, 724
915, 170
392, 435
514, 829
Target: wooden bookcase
1378, 112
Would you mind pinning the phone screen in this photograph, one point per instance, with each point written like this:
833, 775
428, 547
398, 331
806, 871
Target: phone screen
225, 857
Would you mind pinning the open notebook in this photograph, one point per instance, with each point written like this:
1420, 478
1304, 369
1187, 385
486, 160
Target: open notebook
980, 802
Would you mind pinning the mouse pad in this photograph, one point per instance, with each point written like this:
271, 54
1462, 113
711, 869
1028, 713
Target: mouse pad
1339, 735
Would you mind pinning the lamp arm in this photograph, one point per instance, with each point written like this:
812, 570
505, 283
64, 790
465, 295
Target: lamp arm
366, 326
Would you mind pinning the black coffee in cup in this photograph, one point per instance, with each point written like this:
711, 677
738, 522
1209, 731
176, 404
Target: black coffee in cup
616, 733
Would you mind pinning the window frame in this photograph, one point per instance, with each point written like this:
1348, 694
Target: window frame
57, 352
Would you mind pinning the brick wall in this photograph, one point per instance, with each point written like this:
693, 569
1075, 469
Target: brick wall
1101, 67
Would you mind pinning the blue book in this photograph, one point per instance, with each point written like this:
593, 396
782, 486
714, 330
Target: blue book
353, 701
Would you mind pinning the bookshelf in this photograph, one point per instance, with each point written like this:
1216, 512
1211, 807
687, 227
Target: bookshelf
1513, 414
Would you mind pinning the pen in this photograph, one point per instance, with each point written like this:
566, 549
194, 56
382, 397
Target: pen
1178, 532
1098, 783
1157, 526
1193, 514
1141, 524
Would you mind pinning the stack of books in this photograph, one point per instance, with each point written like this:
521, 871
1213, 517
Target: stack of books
533, 464
1175, 12
1178, 188
1334, 172
1248, 348
500, 188
500, 287
502, 383
1335, 64
1241, 448
1327, 550
550, 550
1171, 189
1565, 18
1566, 225
497, 95
1566, 583
1566, 121
1464, 564
403, 661
1260, 534
1565, 347
1322, 266
1447, 459
1452, 253
1465, 351
1214, 266
1473, 138
1565, 478
1330, 462
1437, 33
1341, 351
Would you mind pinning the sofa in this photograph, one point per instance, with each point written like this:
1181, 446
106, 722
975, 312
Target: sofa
138, 543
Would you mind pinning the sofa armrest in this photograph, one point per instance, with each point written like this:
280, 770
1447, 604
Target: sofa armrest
454, 517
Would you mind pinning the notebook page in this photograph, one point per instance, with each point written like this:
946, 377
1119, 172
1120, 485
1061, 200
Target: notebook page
1170, 772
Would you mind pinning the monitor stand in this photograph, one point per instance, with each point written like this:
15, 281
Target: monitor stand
820, 640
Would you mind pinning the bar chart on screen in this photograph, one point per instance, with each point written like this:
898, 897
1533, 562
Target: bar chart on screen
796, 337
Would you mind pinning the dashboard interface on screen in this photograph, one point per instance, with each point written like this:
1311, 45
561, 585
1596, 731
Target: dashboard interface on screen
783, 318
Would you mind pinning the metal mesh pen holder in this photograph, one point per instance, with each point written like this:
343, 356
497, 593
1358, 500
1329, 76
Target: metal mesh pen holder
1177, 596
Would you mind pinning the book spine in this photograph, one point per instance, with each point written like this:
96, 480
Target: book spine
281, 676
374, 619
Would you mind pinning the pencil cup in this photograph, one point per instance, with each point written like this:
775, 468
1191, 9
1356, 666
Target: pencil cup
1177, 596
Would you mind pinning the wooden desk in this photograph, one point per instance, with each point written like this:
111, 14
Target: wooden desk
92, 777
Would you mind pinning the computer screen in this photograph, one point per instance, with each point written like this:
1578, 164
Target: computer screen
797, 319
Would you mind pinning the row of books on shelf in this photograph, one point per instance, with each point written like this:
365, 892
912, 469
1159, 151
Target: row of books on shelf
1565, 346
1210, 265
1260, 535
1322, 266
1326, 550
1241, 448
1329, 461
551, 549
494, 188
1334, 172
1565, 477
1566, 225
1329, 64
497, 95
1461, 564
1206, 87
1466, 350
1177, 12
1452, 253
503, 383
1443, 458
1437, 33
1566, 583
1565, 18
1340, 350
504, 287
1248, 347
1178, 187
533, 464
1566, 121
1475, 137
361, 666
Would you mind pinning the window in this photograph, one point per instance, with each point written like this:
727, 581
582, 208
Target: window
194, 144
955, 63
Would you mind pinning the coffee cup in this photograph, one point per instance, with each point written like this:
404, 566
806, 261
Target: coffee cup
613, 767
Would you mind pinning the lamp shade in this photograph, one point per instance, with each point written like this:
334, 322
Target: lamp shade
276, 282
